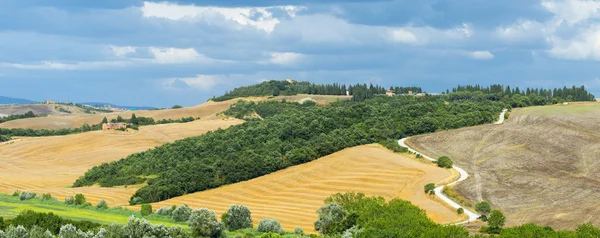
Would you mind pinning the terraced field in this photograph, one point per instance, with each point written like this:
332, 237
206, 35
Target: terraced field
51, 164
293, 195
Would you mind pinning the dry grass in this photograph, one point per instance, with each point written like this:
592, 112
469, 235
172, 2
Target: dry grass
293, 195
51, 164
540, 166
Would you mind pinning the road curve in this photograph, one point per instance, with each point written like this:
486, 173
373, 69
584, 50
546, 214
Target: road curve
463, 176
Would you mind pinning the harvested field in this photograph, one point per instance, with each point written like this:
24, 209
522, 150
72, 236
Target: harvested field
540, 166
293, 195
205, 110
38, 109
51, 164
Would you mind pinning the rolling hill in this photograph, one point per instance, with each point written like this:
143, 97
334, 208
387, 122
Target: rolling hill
540, 166
8, 100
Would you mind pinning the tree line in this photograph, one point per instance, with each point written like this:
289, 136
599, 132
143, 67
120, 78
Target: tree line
289, 134
276, 88
539, 96
28, 114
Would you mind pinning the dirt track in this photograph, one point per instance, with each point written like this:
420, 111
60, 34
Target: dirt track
539, 166
293, 195
51, 164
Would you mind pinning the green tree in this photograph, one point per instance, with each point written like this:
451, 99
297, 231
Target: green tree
238, 217
460, 211
429, 188
79, 199
203, 222
444, 162
146, 209
134, 119
105, 120
483, 207
176, 106
331, 217
496, 221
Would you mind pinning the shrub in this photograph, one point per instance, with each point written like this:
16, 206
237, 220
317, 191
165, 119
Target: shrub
135, 201
86, 204
483, 207
238, 217
26, 196
182, 213
445, 162
146, 209
14, 232
353, 232
46, 197
203, 222
270, 235
115, 230
102, 204
16, 193
460, 211
38, 232
69, 200
298, 231
165, 211
176, 107
79, 199
269, 225
455, 196
330, 219
429, 189
138, 228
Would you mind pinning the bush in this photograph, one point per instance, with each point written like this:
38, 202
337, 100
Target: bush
135, 201
460, 211
444, 162
70, 200
238, 217
203, 222
429, 189
330, 219
182, 213
146, 209
353, 232
26, 196
86, 204
79, 199
269, 225
270, 235
102, 204
483, 207
68, 231
176, 107
14, 232
298, 231
16, 193
165, 211
138, 228
38, 232
46, 197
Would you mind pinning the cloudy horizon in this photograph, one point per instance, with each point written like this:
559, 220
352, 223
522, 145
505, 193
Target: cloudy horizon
161, 53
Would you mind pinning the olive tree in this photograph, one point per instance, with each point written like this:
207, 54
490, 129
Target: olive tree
269, 225
38, 232
182, 213
330, 218
138, 228
203, 222
237, 217
16, 232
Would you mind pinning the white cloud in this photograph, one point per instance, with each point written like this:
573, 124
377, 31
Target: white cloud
257, 17
572, 11
285, 58
481, 55
522, 30
176, 55
53, 65
403, 36
121, 51
586, 45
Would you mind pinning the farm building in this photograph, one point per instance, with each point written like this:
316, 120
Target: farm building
114, 126
49, 102
389, 92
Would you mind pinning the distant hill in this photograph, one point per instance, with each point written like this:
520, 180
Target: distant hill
117, 106
7, 100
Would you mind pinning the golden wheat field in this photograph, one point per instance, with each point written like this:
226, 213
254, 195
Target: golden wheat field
51, 164
293, 195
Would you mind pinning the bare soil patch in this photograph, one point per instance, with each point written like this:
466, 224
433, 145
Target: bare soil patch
293, 195
539, 166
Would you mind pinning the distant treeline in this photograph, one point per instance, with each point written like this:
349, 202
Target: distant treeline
276, 88
289, 134
521, 97
7, 133
29, 114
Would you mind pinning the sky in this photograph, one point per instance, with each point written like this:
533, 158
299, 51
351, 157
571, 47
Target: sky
147, 53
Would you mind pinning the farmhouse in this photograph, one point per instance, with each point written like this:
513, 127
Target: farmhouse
114, 126
389, 92
49, 102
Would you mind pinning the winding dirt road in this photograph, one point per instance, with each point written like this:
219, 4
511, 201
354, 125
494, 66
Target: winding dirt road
463, 176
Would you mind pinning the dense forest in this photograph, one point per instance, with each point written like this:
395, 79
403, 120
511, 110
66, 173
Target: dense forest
521, 98
289, 134
287, 88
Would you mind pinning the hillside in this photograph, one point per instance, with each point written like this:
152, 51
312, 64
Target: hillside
51, 164
292, 195
9, 100
540, 166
